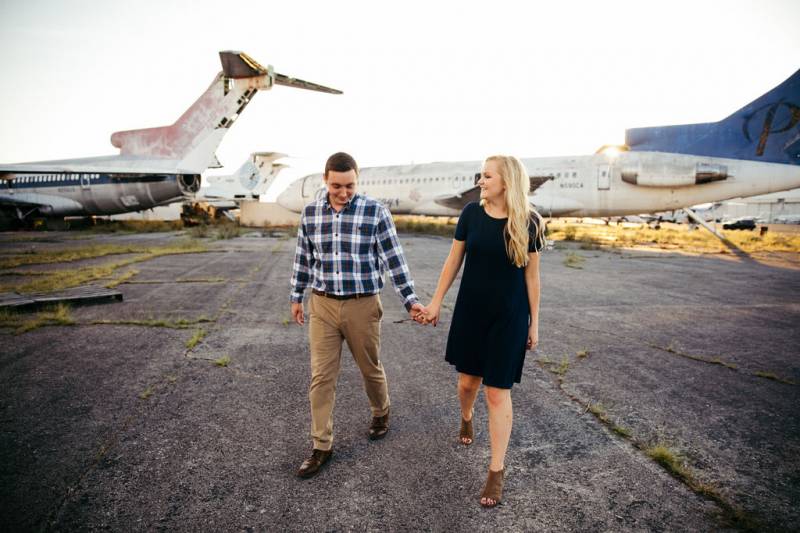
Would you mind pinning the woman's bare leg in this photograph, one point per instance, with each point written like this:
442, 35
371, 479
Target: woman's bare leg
468, 387
500, 421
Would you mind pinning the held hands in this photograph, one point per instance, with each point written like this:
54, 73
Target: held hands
417, 313
425, 315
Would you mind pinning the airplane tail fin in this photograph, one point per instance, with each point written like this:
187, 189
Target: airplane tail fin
253, 178
195, 136
259, 171
767, 129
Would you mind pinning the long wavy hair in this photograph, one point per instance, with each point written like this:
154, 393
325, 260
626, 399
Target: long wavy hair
517, 185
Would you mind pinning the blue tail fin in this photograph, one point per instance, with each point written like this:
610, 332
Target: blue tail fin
767, 129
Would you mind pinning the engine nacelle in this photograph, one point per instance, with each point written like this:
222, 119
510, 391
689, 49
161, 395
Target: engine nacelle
189, 183
673, 175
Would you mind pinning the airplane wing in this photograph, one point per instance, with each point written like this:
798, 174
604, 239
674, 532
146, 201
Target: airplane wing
36, 200
104, 164
459, 200
281, 79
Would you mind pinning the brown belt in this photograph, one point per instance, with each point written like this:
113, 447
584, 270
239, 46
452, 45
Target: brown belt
341, 296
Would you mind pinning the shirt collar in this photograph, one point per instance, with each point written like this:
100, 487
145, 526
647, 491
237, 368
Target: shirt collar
323, 200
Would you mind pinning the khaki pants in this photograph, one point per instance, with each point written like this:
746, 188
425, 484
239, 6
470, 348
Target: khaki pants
358, 321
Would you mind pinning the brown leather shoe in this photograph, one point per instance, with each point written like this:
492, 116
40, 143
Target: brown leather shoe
311, 466
379, 427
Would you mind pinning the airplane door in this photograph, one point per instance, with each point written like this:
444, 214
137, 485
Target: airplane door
85, 181
603, 177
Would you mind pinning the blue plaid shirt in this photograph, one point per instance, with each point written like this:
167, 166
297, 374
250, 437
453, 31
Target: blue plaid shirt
347, 252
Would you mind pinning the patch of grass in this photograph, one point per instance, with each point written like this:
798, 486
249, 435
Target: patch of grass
621, 431
135, 226
198, 336
669, 460
58, 315
718, 361
774, 377
181, 323
23, 273
146, 393
122, 278
285, 321
671, 237
37, 257
598, 411
200, 231
223, 361
671, 348
562, 367
573, 260
228, 231
9, 318
444, 226
64, 279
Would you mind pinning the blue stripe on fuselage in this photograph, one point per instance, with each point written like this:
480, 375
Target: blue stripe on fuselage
70, 179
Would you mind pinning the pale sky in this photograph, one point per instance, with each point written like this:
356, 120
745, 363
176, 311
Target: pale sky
422, 81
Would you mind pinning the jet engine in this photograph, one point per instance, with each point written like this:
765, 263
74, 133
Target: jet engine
189, 183
673, 175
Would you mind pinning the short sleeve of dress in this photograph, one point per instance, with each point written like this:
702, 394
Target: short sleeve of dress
535, 239
463, 223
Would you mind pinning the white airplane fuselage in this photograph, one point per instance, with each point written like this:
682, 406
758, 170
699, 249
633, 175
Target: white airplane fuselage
594, 185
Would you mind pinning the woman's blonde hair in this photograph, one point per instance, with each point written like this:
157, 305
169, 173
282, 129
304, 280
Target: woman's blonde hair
517, 184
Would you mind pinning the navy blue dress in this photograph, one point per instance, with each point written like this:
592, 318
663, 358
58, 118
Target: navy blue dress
489, 330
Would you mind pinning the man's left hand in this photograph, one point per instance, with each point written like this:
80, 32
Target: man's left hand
417, 313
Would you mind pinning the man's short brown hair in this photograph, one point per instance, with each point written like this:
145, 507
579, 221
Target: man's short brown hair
340, 162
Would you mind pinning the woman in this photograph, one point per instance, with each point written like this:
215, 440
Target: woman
497, 309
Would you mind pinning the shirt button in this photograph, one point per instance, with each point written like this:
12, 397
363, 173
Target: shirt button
335, 234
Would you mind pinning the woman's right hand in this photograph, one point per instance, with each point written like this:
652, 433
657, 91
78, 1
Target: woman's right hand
432, 315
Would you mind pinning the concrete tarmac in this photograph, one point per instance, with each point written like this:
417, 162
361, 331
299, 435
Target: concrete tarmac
121, 426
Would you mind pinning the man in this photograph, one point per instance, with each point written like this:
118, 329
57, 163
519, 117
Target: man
344, 244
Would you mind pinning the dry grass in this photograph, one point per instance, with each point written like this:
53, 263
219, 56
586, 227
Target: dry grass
573, 260
674, 237
64, 279
37, 257
57, 315
223, 361
135, 226
445, 226
123, 278
181, 323
198, 336
774, 377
